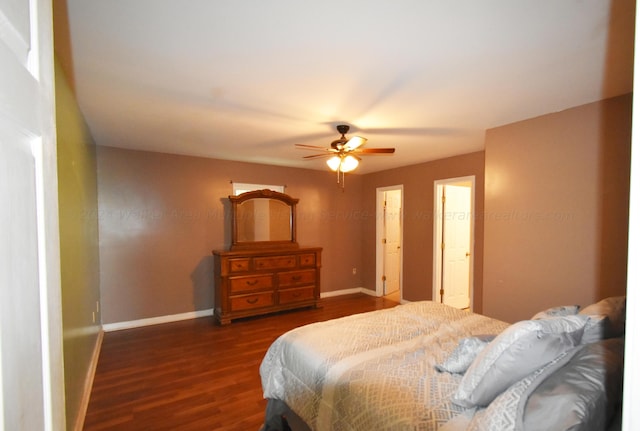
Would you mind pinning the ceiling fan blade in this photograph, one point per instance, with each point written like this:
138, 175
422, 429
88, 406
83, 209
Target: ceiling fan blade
354, 142
315, 156
314, 147
375, 150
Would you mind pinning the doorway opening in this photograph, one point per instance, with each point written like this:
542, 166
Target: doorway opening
454, 201
389, 241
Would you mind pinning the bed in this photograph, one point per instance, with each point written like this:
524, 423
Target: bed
427, 366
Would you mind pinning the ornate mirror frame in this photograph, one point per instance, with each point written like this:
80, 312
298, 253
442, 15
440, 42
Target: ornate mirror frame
238, 237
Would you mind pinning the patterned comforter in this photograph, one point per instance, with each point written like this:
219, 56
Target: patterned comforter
372, 371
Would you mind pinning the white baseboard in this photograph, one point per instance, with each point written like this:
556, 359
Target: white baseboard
347, 292
108, 327
88, 383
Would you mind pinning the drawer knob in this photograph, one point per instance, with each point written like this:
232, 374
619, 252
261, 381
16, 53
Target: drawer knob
252, 300
252, 282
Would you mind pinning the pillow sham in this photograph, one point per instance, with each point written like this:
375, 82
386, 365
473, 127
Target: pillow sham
505, 411
516, 352
563, 310
582, 395
463, 355
614, 309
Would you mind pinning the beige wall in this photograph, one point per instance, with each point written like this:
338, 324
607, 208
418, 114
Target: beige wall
418, 183
161, 215
556, 209
79, 262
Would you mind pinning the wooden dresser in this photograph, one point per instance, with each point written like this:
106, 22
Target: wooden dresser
254, 282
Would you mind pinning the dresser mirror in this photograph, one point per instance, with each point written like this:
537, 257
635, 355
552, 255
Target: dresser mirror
263, 219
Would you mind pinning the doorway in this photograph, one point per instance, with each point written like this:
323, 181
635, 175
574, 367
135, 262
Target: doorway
389, 240
454, 200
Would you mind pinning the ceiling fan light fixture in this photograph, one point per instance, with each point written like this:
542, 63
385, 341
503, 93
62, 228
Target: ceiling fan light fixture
349, 163
334, 163
343, 163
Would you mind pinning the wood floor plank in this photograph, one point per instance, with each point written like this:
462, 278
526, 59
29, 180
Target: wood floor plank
193, 375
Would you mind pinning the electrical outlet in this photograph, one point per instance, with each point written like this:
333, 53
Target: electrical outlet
355, 271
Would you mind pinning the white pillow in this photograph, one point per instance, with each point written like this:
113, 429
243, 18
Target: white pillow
518, 351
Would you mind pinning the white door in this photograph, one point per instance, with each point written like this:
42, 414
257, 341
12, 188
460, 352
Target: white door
31, 372
453, 241
388, 258
392, 243
456, 249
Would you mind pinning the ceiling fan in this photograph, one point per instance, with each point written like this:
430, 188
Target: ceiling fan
343, 153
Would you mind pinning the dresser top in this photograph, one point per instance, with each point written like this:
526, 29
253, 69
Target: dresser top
266, 251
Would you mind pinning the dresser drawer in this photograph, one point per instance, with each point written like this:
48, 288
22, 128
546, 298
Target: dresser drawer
296, 278
289, 296
275, 262
250, 283
308, 259
239, 265
248, 302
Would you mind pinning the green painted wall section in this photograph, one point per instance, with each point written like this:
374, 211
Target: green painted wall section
79, 253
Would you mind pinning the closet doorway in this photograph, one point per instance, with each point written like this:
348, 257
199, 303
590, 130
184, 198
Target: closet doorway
454, 200
389, 240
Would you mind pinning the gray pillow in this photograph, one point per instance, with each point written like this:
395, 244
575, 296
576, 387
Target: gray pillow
607, 319
598, 328
464, 354
583, 394
563, 310
519, 350
506, 410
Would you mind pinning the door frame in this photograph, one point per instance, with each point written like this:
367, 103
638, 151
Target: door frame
380, 235
437, 229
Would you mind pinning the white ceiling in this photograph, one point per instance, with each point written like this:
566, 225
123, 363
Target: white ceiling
248, 79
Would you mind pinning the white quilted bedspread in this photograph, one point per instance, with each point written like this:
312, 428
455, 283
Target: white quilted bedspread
372, 371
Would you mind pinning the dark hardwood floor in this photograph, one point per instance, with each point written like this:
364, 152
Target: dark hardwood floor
193, 375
